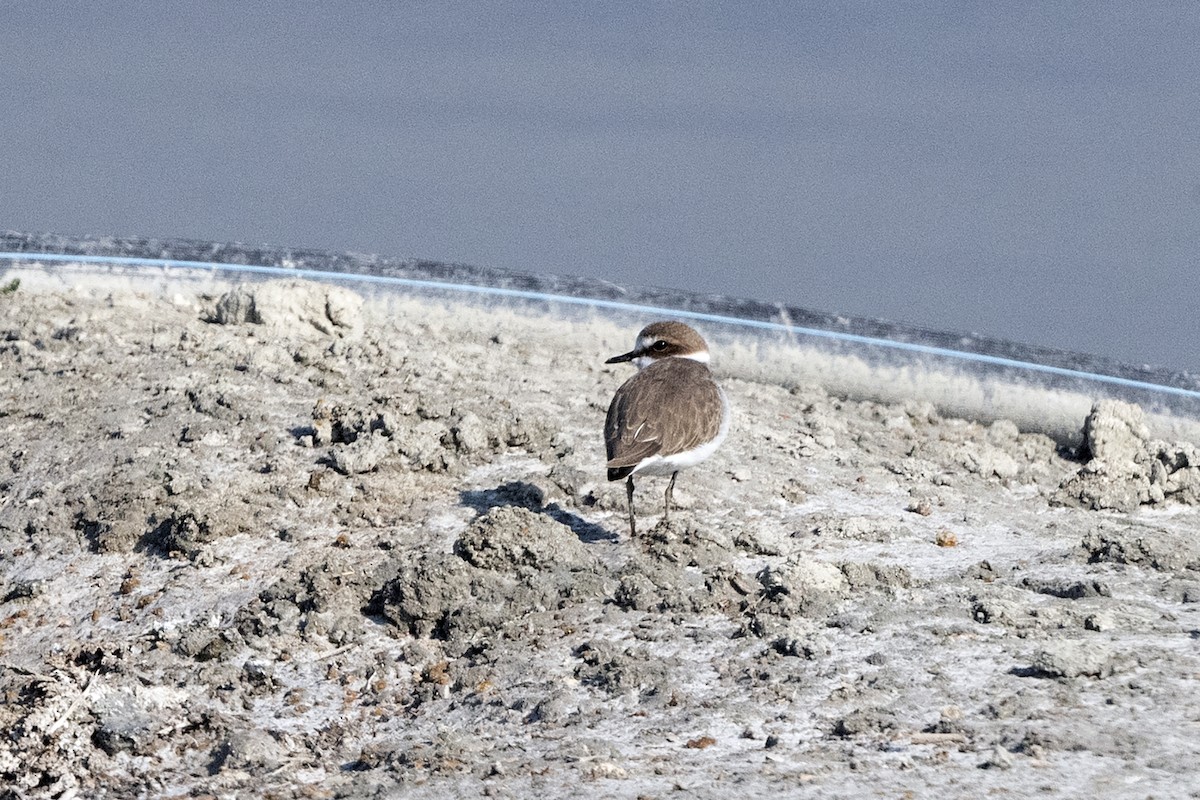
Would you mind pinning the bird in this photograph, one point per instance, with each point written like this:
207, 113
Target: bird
670, 415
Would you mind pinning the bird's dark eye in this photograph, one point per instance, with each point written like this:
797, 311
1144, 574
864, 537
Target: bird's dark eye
660, 345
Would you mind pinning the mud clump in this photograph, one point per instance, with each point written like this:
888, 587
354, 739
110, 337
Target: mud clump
874, 576
682, 568
249, 750
803, 588
1116, 472
651, 585
626, 670
865, 722
800, 597
1076, 659
295, 307
1160, 550
510, 538
443, 597
510, 563
1124, 468
860, 528
1116, 433
689, 545
184, 526
418, 436
364, 454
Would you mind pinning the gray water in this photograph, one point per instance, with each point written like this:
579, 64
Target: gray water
1027, 171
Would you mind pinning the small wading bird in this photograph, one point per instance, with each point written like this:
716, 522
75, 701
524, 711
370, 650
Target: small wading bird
670, 415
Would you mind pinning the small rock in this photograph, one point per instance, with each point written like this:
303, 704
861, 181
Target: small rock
999, 758
945, 538
364, 454
1074, 659
922, 507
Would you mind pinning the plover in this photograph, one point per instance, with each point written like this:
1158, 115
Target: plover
670, 415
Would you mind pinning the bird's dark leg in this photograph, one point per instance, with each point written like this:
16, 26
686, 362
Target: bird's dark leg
629, 494
667, 504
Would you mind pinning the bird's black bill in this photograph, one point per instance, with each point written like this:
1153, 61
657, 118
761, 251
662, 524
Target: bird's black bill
630, 356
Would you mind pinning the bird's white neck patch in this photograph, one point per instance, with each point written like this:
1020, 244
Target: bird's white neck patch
644, 361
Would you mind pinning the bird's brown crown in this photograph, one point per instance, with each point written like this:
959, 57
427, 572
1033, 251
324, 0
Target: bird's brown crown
664, 340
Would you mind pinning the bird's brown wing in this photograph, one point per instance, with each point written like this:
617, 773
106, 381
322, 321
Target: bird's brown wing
629, 437
655, 412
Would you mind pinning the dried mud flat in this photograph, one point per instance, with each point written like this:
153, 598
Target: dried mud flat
275, 541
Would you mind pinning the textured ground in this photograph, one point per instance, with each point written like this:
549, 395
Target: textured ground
277, 542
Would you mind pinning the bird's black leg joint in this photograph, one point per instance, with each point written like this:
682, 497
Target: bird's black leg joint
629, 494
667, 503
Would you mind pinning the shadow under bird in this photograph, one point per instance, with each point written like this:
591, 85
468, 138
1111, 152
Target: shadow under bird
670, 416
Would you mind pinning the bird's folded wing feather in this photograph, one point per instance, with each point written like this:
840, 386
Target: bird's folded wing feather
637, 427
628, 435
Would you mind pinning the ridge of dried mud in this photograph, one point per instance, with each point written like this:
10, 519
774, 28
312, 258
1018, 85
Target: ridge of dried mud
276, 541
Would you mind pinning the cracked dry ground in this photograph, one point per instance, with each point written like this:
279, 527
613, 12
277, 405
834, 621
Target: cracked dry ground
278, 542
